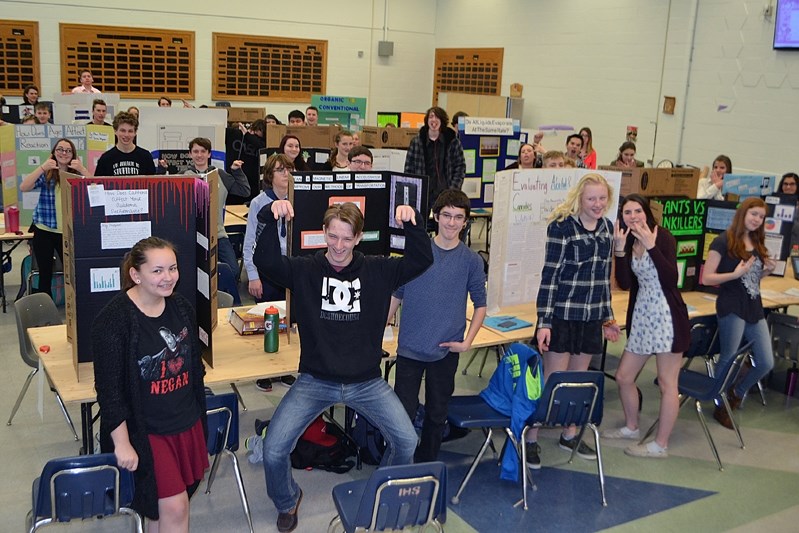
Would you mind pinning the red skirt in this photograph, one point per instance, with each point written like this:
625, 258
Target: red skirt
179, 460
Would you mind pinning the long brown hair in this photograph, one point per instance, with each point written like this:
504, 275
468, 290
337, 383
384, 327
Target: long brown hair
137, 256
52, 175
736, 246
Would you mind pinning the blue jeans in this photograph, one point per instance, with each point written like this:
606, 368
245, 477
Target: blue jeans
306, 400
226, 254
733, 330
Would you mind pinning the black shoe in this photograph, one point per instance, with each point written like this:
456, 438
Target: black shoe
533, 451
288, 521
288, 380
260, 427
583, 449
264, 385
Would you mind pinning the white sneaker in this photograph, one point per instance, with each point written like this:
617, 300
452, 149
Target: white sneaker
622, 433
649, 450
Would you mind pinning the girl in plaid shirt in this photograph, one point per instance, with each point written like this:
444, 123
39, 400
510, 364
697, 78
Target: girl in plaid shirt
47, 223
573, 304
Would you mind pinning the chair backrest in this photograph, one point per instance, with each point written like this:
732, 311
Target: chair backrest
727, 370
82, 487
403, 496
224, 300
571, 398
223, 422
704, 337
33, 311
784, 335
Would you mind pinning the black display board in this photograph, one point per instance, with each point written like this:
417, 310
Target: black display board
104, 217
376, 193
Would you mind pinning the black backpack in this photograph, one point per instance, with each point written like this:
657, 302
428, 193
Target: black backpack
369, 442
322, 446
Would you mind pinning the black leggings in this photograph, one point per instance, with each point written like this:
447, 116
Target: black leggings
44, 244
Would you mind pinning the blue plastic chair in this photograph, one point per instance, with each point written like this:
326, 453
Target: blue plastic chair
392, 499
472, 412
570, 399
223, 439
704, 388
81, 487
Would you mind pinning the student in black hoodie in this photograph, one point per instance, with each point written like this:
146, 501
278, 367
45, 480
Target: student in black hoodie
341, 299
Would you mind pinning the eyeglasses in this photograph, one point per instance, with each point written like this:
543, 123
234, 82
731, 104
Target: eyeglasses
446, 217
281, 170
64, 150
360, 163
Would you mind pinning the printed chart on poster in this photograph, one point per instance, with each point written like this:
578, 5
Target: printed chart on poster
523, 201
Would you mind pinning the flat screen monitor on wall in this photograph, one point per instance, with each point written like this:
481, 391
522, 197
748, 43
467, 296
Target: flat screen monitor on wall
786, 25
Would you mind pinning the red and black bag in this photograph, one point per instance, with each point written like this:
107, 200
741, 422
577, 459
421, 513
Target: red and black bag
322, 446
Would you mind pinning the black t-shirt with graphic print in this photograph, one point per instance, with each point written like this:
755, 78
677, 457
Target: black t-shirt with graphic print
164, 371
738, 296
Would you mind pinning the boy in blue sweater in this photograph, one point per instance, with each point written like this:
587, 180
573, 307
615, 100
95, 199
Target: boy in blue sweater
431, 335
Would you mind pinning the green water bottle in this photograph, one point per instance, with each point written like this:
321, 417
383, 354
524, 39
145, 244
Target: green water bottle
271, 329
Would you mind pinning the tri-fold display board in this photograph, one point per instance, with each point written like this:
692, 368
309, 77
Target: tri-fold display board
105, 217
377, 194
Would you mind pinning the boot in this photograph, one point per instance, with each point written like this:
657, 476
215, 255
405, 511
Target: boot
734, 399
723, 417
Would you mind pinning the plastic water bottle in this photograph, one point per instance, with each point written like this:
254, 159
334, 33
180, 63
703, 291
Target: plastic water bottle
271, 329
12, 219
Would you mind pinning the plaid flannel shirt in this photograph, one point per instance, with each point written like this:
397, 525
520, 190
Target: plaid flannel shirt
45, 212
575, 281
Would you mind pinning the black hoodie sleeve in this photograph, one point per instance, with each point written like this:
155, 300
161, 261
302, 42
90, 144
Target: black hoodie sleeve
267, 256
418, 252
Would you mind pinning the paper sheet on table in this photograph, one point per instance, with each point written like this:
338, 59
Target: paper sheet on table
261, 307
388, 334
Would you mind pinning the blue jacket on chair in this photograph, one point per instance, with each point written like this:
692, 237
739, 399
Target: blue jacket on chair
513, 396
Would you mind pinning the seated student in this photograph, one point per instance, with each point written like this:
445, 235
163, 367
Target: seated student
588, 154
356, 139
233, 183
296, 118
165, 101
339, 156
277, 175
456, 117
42, 112
99, 111
29, 119
712, 181
433, 329
787, 191
311, 116
271, 119
574, 145
30, 95
86, 81
360, 158
554, 159
626, 156
341, 336
125, 159
291, 147
133, 110
525, 159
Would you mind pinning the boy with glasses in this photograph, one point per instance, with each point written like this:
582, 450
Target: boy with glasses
431, 336
360, 158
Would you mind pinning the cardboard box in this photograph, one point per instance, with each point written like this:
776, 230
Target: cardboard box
245, 114
657, 181
309, 136
375, 137
246, 323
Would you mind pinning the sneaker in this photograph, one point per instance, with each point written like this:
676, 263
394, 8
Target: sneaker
723, 417
264, 385
260, 427
583, 449
533, 451
649, 450
288, 521
622, 433
288, 380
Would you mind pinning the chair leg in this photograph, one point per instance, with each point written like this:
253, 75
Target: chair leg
600, 470
653, 427
212, 473
737, 428
238, 395
707, 434
21, 395
65, 412
334, 523
240, 482
137, 522
471, 359
456, 499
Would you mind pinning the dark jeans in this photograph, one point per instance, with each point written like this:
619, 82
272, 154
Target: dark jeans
44, 244
438, 388
226, 254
